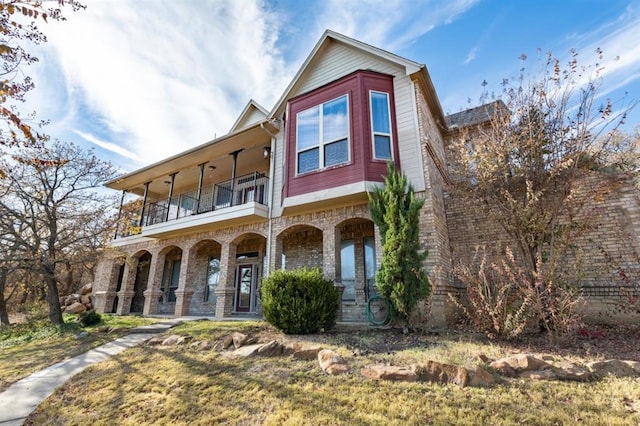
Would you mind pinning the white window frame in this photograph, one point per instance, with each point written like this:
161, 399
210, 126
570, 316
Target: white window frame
374, 133
322, 144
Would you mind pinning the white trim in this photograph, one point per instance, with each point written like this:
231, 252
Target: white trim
416, 126
321, 144
373, 132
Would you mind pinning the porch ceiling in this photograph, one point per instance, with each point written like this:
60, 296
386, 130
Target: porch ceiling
251, 140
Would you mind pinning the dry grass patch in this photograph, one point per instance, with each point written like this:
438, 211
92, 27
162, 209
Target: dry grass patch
27, 348
180, 385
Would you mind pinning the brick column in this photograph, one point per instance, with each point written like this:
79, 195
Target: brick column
226, 286
104, 290
152, 293
126, 293
185, 289
331, 261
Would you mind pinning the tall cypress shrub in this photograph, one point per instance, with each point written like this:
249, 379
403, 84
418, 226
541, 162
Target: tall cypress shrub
395, 210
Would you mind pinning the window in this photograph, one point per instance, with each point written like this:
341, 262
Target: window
348, 269
323, 135
213, 277
170, 280
380, 125
370, 266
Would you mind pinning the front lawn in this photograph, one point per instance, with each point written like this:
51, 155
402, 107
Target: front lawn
186, 385
32, 346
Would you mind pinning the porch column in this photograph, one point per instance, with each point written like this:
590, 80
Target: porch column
107, 274
125, 295
233, 174
144, 203
331, 260
226, 286
171, 183
152, 293
277, 248
199, 192
119, 214
185, 289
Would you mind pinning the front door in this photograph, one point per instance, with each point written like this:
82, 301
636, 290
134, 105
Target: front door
244, 288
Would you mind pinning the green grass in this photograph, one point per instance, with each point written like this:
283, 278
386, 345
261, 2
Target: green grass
28, 347
185, 386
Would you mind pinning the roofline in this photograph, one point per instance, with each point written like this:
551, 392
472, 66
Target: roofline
410, 66
187, 152
253, 103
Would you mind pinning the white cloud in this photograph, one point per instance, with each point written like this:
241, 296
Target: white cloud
390, 24
109, 146
165, 76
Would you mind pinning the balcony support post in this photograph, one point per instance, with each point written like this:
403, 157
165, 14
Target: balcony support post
173, 180
199, 193
233, 174
144, 203
124, 192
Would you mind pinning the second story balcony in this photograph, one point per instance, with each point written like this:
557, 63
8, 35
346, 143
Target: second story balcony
221, 183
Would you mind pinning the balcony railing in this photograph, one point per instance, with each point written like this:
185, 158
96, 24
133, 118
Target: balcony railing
248, 188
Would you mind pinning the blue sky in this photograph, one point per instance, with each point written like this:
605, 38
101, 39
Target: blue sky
140, 80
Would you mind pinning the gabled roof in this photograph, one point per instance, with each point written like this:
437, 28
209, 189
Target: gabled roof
252, 113
417, 71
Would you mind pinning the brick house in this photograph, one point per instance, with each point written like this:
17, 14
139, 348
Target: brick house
287, 188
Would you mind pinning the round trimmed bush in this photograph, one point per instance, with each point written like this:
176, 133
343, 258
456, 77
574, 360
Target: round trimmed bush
300, 301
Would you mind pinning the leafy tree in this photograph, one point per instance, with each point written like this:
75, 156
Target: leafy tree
396, 211
51, 210
523, 171
19, 30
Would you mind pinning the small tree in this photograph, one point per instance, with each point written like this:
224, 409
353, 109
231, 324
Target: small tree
524, 169
396, 211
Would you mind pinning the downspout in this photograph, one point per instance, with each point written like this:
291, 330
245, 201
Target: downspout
272, 162
144, 203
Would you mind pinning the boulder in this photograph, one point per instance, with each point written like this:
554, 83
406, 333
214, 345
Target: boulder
479, 377
155, 341
301, 351
271, 348
520, 362
71, 299
75, 308
332, 363
87, 289
438, 372
611, 367
389, 372
85, 300
227, 341
566, 370
633, 364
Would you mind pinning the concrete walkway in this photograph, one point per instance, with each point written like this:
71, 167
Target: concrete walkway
21, 398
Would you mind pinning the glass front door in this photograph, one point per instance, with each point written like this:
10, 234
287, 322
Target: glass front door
244, 288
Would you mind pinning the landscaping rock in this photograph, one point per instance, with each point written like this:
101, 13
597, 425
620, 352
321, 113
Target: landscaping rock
71, 299
155, 341
479, 377
388, 372
271, 348
85, 299
483, 358
547, 374
300, 351
612, 367
437, 372
239, 339
87, 289
246, 351
633, 364
520, 362
205, 345
175, 340
566, 370
332, 363
75, 308
227, 341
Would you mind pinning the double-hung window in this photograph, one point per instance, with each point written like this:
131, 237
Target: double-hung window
323, 135
381, 125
